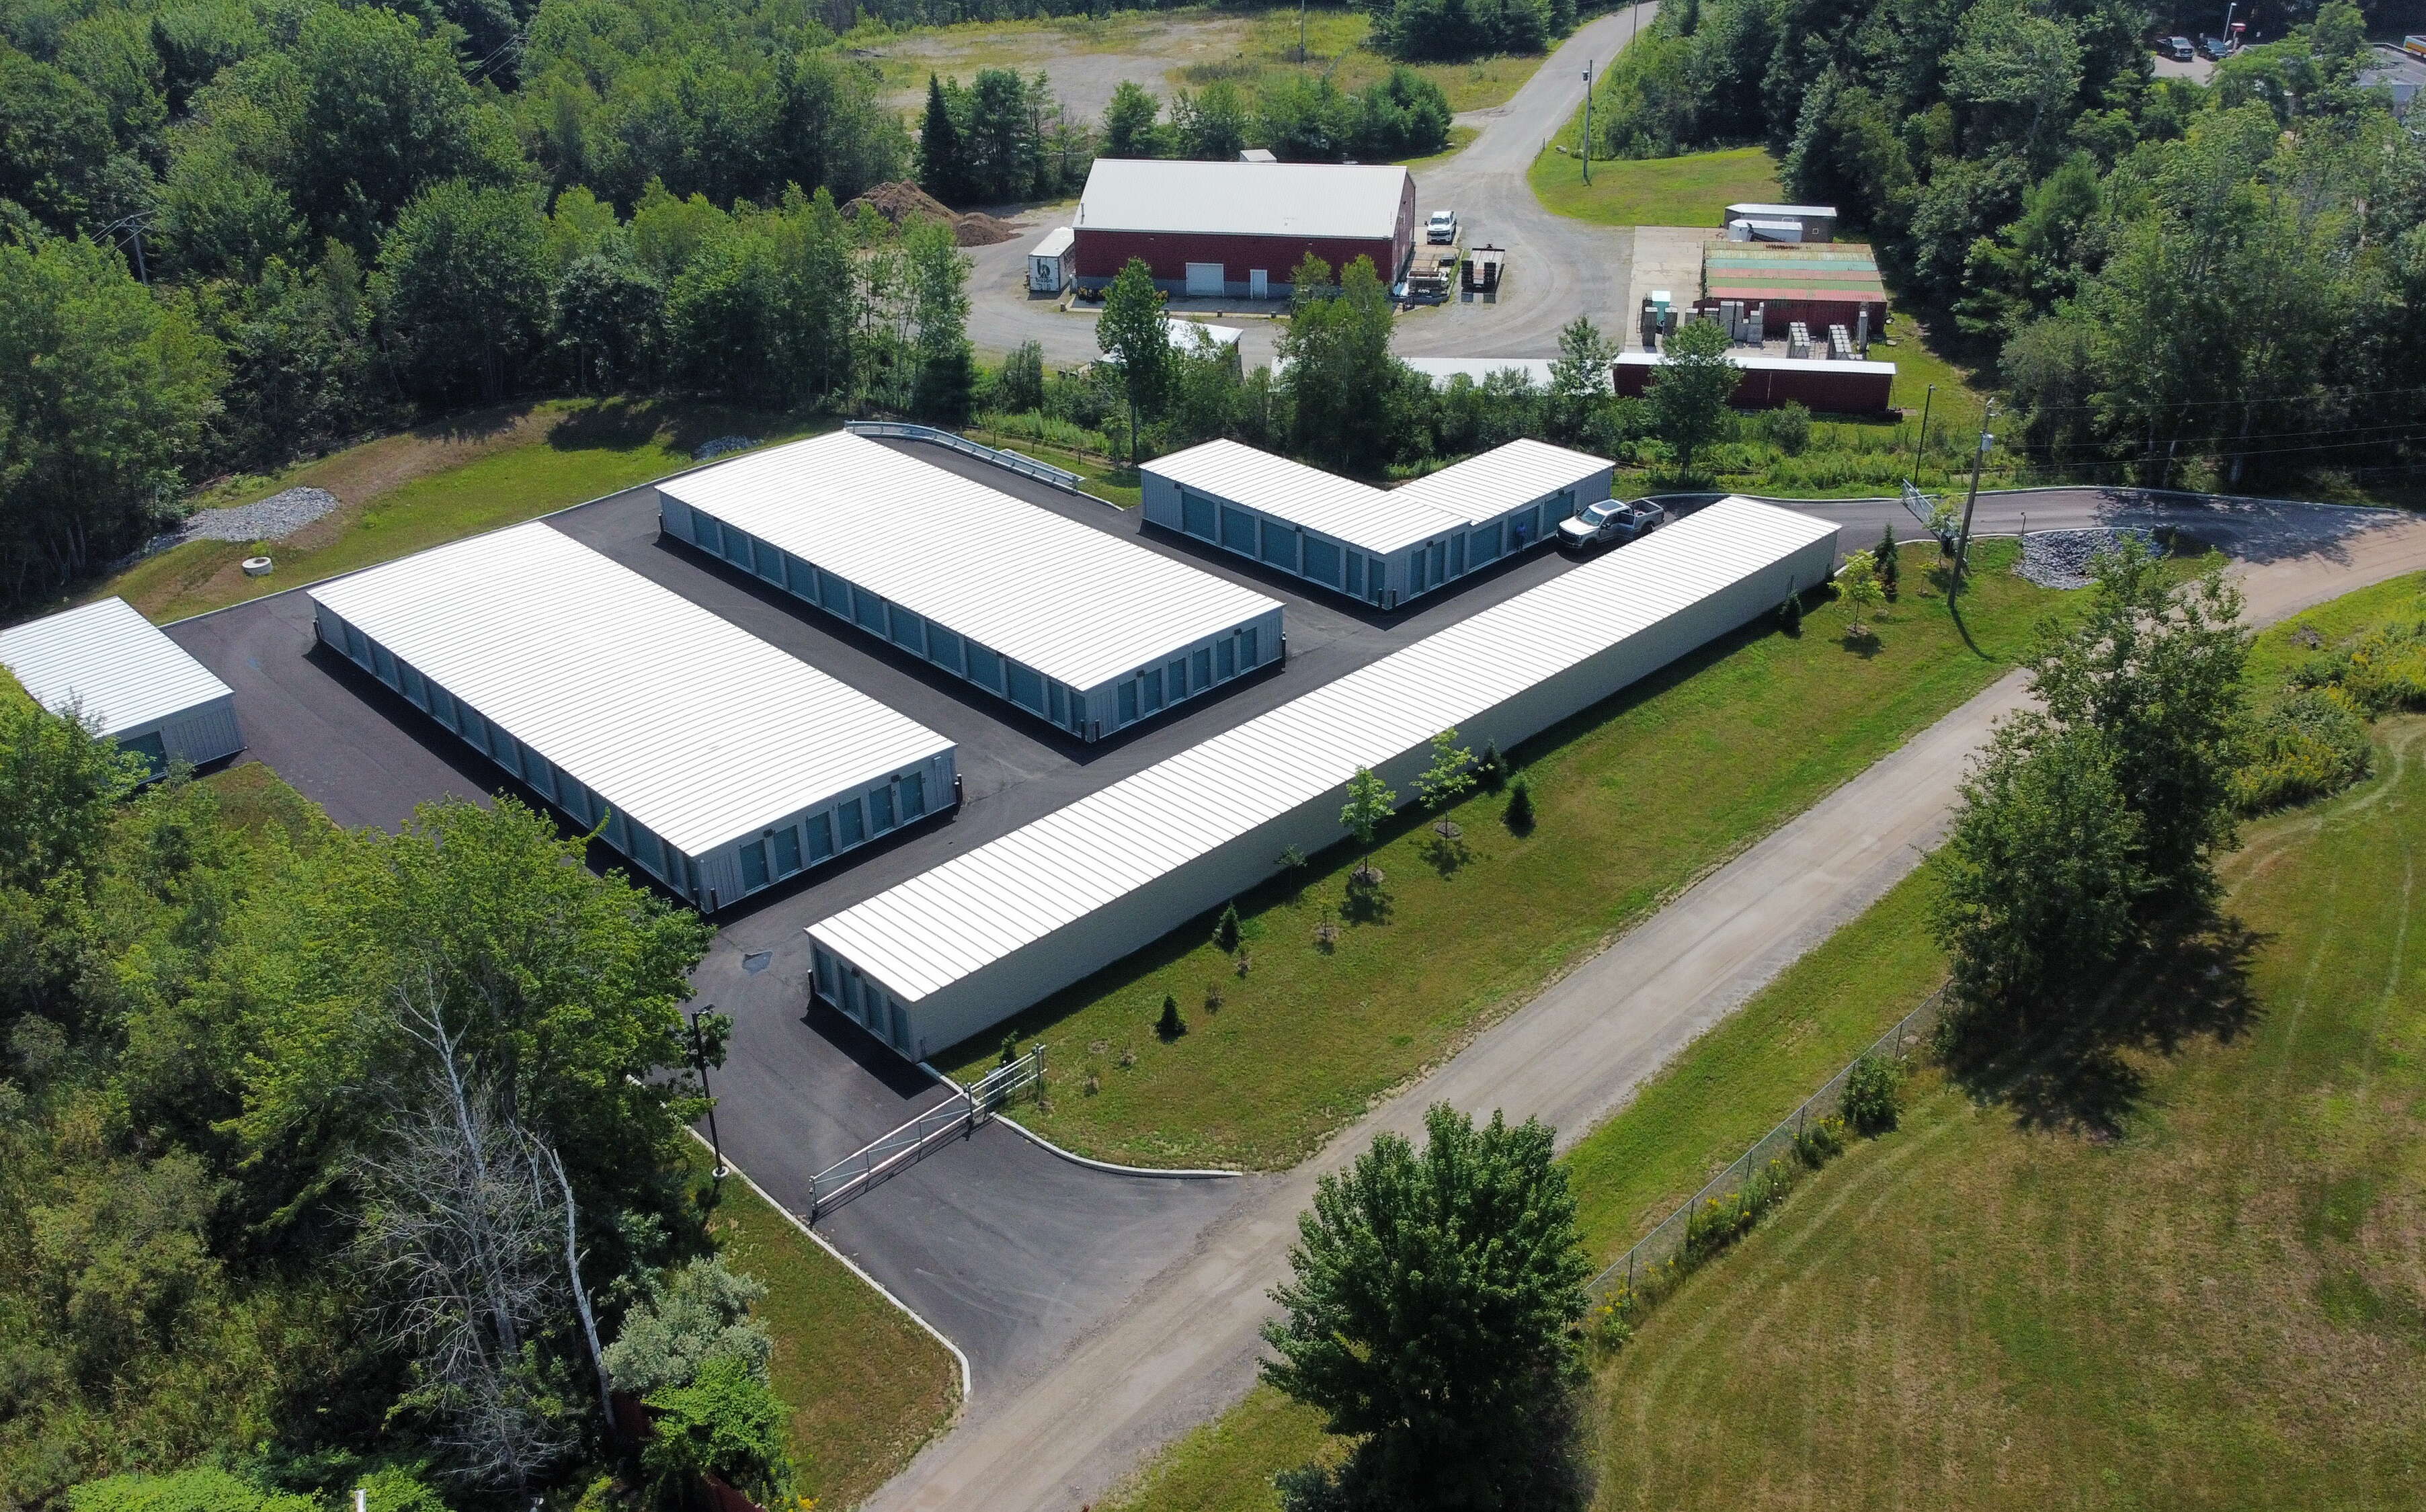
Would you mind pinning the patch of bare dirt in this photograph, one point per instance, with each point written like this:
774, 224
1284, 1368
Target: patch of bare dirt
903, 201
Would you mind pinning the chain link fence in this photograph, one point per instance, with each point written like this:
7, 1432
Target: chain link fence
1757, 1178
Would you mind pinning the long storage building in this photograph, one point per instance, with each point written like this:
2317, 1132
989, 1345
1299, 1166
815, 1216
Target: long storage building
720, 764
949, 953
1237, 230
1083, 629
1384, 546
127, 680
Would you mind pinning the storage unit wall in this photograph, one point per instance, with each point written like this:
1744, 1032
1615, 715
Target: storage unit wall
720, 765
948, 954
1384, 546
1079, 627
127, 680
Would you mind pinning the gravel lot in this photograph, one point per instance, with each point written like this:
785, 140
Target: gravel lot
272, 519
2061, 558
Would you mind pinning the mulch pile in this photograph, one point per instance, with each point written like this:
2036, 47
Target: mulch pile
898, 201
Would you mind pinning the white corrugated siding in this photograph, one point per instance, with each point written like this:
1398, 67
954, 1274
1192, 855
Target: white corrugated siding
1077, 605
681, 721
937, 929
106, 659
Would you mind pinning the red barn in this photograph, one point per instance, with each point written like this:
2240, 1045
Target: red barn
1236, 230
1846, 388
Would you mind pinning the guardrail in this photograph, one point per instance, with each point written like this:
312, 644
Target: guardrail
1027, 466
957, 1117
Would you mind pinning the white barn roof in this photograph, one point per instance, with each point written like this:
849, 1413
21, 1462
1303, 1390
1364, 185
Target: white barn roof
1243, 199
1440, 369
1077, 605
680, 721
937, 928
111, 663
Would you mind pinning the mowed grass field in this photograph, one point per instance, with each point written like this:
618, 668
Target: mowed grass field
2224, 1306
1635, 799
405, 493
1693, 190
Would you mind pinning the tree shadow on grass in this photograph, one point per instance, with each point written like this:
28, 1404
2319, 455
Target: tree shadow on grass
2080, 1074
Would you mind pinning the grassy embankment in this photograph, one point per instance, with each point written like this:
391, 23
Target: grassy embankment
1987, 1310
1635, 799
453, 478
1693, 190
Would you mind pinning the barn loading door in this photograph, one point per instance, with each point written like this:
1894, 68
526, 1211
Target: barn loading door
1205, 278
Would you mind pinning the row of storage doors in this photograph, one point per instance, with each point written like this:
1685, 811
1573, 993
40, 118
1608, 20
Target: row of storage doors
1286, 547
864, 1002
780, 853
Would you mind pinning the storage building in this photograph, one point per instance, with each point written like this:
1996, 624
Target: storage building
1833, 386
1384, 546
130, 683
1836, 283
720, 764
1053, 261
947, 954
1238, 230
1081, 628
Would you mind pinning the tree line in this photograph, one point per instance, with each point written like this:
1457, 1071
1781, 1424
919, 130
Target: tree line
330, 1158
2161, 270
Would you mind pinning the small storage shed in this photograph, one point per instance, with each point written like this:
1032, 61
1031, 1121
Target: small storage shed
720, 764
1835, 387
956, 950
1383, 546
1809, 222
130, 683
1087, 631
1053, 261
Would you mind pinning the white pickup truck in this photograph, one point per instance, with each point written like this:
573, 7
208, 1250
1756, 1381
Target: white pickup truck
1608, 524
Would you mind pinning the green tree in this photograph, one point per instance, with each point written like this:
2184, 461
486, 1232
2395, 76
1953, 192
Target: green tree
1889, 561
1689, 390
1019, 389
54, 141
726, 1422
939, 276
1857, 584
687, 1317
1211, 125
1580, 376
104, 393
1429, 1316
607, 314
1133, 332
1451, 776
463, 288
1341, 377
1129, 122
942, 170
1369, 806
2040, 873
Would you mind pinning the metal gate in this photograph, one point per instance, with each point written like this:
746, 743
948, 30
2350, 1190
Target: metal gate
956, 1116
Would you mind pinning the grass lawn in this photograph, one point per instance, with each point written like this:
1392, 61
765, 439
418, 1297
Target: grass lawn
867, 1386
1693, 190
2219, 1306
1460, 138
1636, 798
454, 478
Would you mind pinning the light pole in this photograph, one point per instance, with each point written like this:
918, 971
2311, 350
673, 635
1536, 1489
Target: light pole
1587, 141
699, 1058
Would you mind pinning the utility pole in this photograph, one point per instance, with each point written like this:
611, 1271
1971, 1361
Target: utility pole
1587, 141
1962, 542
699, 1058
1920, 447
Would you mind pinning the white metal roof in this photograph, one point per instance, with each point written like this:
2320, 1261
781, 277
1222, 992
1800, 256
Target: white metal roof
1183, 333
1756, 363
979, 908
1504, 478
1440, 369
1817, 210
110, 661
1365, 516
677, 718
1077, 605
1056, 242
1243, 199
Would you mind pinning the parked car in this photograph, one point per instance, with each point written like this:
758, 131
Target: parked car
2218, 48
1442, 227
1609, 524
2178, 48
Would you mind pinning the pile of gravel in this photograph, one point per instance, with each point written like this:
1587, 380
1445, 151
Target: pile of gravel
710, 450
2061, 558
272, 519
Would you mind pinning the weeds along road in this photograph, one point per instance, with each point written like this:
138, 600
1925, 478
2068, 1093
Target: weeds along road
1558, 268
1184, 1346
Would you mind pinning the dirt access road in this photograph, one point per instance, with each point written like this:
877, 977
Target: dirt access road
1557, 267
1185, 1346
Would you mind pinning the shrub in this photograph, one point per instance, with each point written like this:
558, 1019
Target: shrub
1170, 1025
1520, 807
1788, 427
2311, 743
692, 1314
1225, 929
1789, 613
1491, 770
2380, 671
199, 1488
728, 1424
1873, 1091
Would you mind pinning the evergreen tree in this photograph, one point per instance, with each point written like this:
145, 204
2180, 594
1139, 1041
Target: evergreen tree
943, 168
1225, 929
1170, 1025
